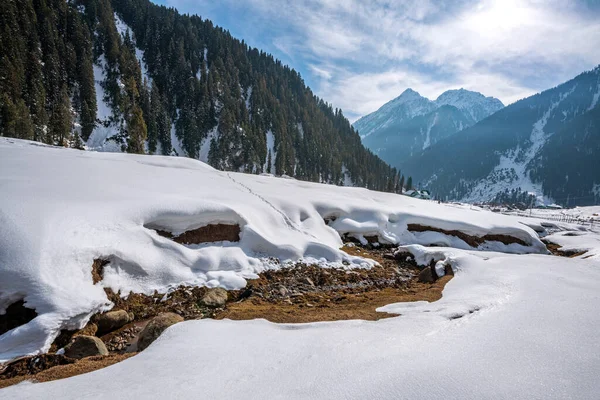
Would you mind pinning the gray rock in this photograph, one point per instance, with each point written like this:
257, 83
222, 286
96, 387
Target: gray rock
111, 321
156, 327
215, 297
85, 346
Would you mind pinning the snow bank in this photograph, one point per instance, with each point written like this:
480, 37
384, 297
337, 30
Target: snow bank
60, 209
578, 241
507, 327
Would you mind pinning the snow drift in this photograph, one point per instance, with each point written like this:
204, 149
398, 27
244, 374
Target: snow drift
61, 209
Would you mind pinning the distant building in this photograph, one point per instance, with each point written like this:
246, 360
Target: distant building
418, 194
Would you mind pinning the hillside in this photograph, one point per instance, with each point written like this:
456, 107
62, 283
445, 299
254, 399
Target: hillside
128, 75
546, 145
411, 123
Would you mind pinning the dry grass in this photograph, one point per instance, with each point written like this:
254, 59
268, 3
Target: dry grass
82, 366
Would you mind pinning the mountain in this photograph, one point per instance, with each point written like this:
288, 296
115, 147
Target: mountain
129, 75
410, 123
547, 145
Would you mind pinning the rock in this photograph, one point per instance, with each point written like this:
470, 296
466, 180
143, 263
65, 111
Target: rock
89, 330
448, 270
112, 320
426, 275
215, 297
308, 281
85, 346
156, 327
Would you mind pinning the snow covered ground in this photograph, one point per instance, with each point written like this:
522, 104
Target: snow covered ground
520, 325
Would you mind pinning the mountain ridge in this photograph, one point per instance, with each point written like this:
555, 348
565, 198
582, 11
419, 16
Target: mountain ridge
410, 123
545, 146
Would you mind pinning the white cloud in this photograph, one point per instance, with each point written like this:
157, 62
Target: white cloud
364, 53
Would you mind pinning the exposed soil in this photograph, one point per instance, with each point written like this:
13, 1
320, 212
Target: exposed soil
16, 315
555, 249
61, 371
206, 234
306, 293
300, 293
473, 241
98, 269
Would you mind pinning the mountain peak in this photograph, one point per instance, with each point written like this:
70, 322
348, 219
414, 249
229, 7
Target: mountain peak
408, 95
474, 104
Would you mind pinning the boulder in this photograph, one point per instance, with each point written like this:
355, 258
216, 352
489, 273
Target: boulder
85, 346
426, 275
156, 327
112, 320
215, 297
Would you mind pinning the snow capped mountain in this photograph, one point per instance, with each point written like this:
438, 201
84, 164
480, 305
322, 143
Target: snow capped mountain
472, 104
403, 108
546, 145
411, 123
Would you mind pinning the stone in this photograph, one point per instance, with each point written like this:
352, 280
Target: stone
448, 270
85, 346
156, 327
308, 281
111, 321
215, 297
426, 275
89, 330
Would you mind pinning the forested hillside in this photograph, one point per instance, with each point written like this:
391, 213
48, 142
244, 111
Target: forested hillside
128, 75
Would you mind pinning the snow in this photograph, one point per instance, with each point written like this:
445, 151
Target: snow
578, 241
248, 97
175, 142
512, 171
347, 179
473, 104
63, 208
595, 99
507, 327
99, 139
411, 104
271, 149
206, 143
123, 28
427, 141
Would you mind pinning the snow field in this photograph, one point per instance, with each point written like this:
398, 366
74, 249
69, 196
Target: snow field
63, 208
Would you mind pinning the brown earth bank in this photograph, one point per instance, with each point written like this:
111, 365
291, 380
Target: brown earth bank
555, 249
62, 370
291, 294
473, 241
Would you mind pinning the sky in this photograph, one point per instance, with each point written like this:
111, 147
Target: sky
359, 54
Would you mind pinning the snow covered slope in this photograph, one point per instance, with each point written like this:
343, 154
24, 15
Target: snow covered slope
60, 209
411, 123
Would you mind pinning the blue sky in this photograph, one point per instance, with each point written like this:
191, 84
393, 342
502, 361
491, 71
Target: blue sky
358, 55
